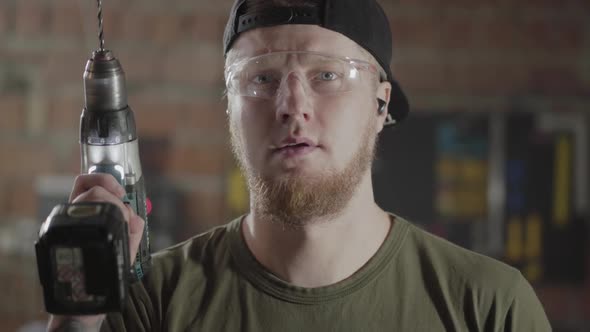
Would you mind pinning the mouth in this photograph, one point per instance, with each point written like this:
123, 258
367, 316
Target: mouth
293, 149
294, 146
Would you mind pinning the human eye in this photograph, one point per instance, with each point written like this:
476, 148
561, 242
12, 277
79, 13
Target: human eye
327, 76
263, 78
262, 83
326, 72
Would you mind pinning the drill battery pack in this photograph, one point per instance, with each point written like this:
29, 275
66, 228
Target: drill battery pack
83, 259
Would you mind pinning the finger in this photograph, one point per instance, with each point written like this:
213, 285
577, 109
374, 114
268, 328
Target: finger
136, 223
100, 194
85, 182
136, 226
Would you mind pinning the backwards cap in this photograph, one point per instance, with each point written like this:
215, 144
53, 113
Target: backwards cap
362, 21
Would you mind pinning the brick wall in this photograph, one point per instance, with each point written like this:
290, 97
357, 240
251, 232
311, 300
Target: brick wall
461, 55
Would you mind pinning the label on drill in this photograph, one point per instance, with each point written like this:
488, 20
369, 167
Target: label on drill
71, 284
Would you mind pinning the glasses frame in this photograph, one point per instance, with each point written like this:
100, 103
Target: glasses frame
356, 63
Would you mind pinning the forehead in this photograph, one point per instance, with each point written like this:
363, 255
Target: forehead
294, 38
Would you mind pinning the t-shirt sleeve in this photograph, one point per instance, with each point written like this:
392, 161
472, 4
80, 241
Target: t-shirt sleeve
137, 315
525, 312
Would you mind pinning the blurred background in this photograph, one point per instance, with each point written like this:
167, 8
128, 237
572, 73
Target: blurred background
494, 156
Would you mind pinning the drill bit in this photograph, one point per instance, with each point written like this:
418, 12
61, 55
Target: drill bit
100, 30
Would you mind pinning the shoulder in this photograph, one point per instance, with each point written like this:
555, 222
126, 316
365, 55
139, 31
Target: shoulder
176, 270
210, 248
474, 286
457, 264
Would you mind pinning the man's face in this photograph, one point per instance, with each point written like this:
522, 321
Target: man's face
303, 152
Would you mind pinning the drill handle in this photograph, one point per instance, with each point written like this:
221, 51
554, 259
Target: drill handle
137, 199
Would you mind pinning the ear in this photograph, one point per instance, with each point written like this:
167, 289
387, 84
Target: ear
383, 92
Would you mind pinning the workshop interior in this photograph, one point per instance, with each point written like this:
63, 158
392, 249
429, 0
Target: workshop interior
494, 156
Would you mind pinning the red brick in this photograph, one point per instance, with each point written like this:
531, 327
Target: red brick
198, 26
485, 79
71, 161
411, 31
26, 157
203, 211
22, 200
14, 110
464, 79
66, 20
208, 115
140, 66
154, 154
63, 112
68, 155
3, 197
558, 81
10, 322
32, 18
563, 303
585, 293
166, 29
23, 57
113, 21
556, 35
6, 16
553, 33
501, 32
199, 64
553, 300
20, 285
202, 159
438, 5
420, 78
576, 5
158, 118
457, 32
136, 24
444, 30
65, 67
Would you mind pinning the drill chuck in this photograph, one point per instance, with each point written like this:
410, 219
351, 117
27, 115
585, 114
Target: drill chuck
106, 119
104, 83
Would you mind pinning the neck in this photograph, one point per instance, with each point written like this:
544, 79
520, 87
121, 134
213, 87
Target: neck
323, 251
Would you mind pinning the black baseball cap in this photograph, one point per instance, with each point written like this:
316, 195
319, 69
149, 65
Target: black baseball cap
362, 21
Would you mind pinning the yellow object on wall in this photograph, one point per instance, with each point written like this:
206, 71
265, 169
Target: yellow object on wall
237, 192
562, 178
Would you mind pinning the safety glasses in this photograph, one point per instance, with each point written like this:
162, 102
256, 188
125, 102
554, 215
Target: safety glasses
263, 76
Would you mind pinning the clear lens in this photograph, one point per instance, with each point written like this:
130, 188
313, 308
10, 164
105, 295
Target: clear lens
262, 76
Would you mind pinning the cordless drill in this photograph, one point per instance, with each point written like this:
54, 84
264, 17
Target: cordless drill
83, 248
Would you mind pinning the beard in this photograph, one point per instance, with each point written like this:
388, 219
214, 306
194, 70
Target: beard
296, 200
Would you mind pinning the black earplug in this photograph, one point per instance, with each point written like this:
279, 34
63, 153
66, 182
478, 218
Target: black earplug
382, 104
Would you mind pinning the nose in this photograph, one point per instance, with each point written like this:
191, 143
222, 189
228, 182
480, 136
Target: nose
293, 100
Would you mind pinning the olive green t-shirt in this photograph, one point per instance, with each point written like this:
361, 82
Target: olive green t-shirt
415, 282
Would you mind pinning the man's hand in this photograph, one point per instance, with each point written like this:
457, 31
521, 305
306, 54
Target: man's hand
105, 188
99, 188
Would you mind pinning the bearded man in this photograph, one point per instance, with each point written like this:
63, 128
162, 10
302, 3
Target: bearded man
309, 89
